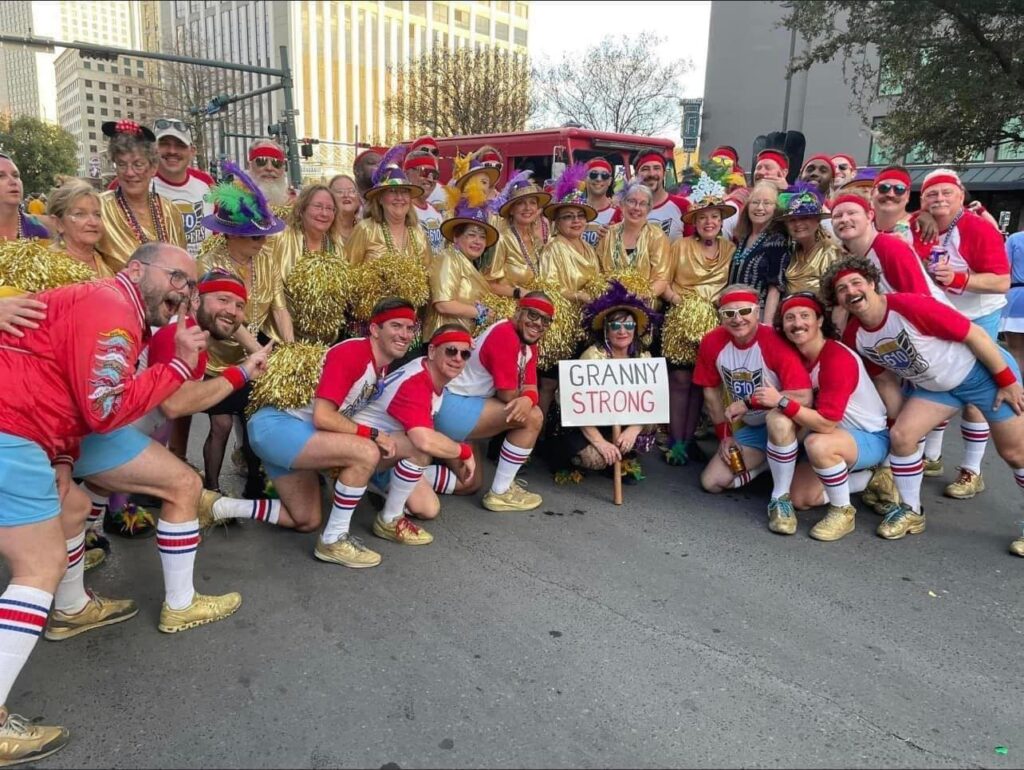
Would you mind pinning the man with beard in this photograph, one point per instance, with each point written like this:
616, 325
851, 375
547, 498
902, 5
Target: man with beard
269, 167
364, 165
422, 170
949, 363
844, 169
497, 393
773, 166
599, 187
666, 210
817, 170
71, 376
129, 460
179, 181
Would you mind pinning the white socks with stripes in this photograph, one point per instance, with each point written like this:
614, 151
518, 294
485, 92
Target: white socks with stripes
509, 463
975, 436
346, 499
257, 510
908, 472
782, 461
177, 543
71, 597
23, 613
404, 478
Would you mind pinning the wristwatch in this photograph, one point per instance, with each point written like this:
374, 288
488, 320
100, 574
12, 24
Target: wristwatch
783, 403
374, 433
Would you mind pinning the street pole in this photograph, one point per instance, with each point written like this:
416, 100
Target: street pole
294, 167
789, 80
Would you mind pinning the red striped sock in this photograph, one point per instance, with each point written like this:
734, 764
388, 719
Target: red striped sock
23, 612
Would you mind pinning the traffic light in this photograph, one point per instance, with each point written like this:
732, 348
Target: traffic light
307, 146
276, 130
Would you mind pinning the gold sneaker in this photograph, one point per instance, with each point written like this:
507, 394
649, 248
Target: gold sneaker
781, 516
900, 522
348, 551
881, 493
94, 557
22, 741
1017, 547
967, 485
838, 522
515, 499
401, 531
207, 498
933, 467
97, 613
202, 610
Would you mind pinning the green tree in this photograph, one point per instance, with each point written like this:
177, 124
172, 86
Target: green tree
952, 71
41, 150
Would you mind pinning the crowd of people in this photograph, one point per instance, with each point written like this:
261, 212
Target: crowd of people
384, 332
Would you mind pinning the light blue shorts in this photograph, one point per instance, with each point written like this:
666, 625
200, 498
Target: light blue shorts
458, 415
106, 451
990, 323
28, 485
872, 448
278, 438
753, 436
978, 389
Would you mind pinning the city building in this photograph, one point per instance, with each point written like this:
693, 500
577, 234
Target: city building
27, 83
746, 96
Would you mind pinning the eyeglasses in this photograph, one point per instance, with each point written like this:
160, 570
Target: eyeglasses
451, 352
577, 216
324, 207
179, 279
138, 166
896, 189
636, 202
733, 312
263, 161
161, 123
348, 192
602, 176
538, 318
759, 204
618, 326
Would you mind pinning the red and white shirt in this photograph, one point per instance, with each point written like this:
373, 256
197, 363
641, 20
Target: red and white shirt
843, 391
161, 350
409, 400
350, 378
901, 270
604, 218
189, 198
921, 340
430, 221
669, 216
977, 247
499, 361
767, 359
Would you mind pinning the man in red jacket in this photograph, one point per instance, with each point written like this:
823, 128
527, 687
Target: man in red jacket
73, 375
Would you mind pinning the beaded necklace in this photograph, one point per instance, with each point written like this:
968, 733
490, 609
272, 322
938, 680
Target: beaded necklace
620, 256
389, 242
743, 252
534, 266
952, 228
326, 244
154, 211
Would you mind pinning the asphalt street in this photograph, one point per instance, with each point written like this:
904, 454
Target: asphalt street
674, 630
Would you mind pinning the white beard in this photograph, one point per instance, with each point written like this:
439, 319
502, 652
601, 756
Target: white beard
276, 192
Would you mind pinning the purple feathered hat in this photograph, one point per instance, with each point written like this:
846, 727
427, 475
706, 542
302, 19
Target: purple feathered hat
801, 200
518, 187
239, 207
465, 213
570, 190
618, 297
390, 176
861, 183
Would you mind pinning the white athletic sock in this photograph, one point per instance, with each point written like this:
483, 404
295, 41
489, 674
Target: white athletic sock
509, 462
71, 596
23, 612
933, 442
177, 544
747, 476
346, 499
782, 461
441, 478
836, 480
975, 435
859, 480
258, 510
98, 507
404, 478
1018, 476
907, 472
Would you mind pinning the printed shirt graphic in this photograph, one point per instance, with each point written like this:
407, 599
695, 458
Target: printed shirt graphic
189, 199
430, 221
766, 360
669, 216
499, 361
604, 218
348, 379
920, 340
843, 391
408, 400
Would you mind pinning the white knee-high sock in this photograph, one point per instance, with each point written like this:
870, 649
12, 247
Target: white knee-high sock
907, 472
782, 461
859, 480
933, 442
346, 499
441, 478
975, 435
258, 510
510, 461
71, 596
404, 478
98, 507
23, 612
177, 543
836, 480
747, 476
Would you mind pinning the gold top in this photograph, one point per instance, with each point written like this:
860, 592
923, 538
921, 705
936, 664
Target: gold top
368, 242
453, 277
691, 272
804, 273
651, 258
265, 288
571, 269
290, 244
119, 242
509, 264
103, 268
600, 352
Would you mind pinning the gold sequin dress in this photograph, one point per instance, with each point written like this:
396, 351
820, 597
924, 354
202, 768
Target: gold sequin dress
119, 241
453, 276
690, 271
804, 273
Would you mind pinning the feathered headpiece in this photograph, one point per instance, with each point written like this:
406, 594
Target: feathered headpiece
390, 176
468, 167
571, 190
618, 297
801, 199
717, 169
521, 185
392, 159
239, 206
469, 205
708, 193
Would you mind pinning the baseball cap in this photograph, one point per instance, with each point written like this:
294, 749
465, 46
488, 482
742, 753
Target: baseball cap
172, 127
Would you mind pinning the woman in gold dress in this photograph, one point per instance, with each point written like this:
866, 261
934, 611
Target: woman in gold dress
76, 213
312, 226
516, 263
346, 198
635, 244
813, 250
132, 213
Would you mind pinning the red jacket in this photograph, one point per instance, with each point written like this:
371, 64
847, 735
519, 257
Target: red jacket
75, 374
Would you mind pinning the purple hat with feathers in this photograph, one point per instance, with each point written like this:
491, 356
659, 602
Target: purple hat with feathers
239, 206
862, 182
390, 176
520, 186
570, 190
800, 200
618, 297
467, 214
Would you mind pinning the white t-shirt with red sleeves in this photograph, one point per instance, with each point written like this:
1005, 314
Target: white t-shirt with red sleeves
349, 379
499, 361
901, 270
920, 340
669, 216
843, 391
409, 400
766, 360
974, 246
430, 221
190, 199
162, 350
604, 218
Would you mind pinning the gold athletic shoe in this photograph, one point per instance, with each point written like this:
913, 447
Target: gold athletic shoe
1017, 547
94, 557
401, 531
967, 485
202, 610
207, 498
515, 499
838, 522
348, 551
97, 613
900, 522
881, 493
781, 515
22, 741
933, 467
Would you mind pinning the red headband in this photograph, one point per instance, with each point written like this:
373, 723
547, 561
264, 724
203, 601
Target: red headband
776, 156
421, 161
403, 313
893, 175
424, 141
725, 152
860, 200
266, 151
808, 302
845, 272
941, 179
452, 335
224, 284
538, 303
650, 157
820, 156
599, 163
379, 150
740, 295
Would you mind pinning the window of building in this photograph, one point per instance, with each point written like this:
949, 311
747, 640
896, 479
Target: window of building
441, 12
90, 110
104, 112
103, 86
115, 87
92, 135
1008, 150
100, 67
103, 99
483, 25
88, 96
520, 36
880, 154
920, 155
87, 64
504, 6
117, 101
113, 69
888, 84
501, 30
418, 9
88, 84
91, 122
92, 148
461, 18
522, 10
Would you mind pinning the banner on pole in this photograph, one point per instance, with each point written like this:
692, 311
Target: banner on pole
614, 391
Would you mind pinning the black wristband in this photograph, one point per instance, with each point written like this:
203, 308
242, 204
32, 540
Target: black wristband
374, 433
517, 293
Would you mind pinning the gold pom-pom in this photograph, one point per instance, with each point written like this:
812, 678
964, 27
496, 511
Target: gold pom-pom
293, 371
32, 267
685, 326
501, 308
317, 289
565, 333
630, 278
390, 275
213, 243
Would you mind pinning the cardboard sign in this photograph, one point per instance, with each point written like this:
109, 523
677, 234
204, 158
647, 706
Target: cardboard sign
620, 391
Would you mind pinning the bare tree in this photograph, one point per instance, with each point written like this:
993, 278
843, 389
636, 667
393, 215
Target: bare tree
620, 85
449, 92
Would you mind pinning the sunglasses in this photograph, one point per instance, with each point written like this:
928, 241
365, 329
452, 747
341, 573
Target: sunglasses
618, 326
537, 318
896, 189
262, 162
843, 166
451, 352
429, 174
730, 313
595, 176
573, 218
161, 123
